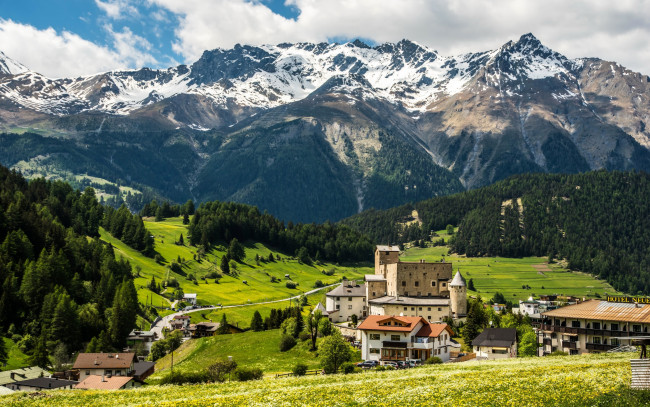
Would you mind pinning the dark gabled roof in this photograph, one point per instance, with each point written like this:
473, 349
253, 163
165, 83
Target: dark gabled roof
140, 368
496, 337
45, 383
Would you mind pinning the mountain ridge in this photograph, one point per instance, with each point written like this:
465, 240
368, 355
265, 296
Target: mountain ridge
478, 117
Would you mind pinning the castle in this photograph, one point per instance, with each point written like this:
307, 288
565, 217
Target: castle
418, 289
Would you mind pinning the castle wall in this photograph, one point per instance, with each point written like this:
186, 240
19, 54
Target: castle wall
419, 279
385, 258
375, 289
458, 297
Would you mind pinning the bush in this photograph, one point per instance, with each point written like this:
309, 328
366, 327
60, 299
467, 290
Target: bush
329, 272
558, 353
318, 284
185, 377
219, 370
291, 284
380, 368
347, 367
287, 342
300, 369
433, 360
243, 374
304, 335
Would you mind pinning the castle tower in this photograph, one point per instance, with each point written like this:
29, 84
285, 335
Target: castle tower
385, 255
458, 296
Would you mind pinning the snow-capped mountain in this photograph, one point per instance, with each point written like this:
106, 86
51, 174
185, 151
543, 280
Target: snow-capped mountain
399, 122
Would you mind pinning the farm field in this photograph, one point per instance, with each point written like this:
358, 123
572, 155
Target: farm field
590, 380
508, 275
252, 282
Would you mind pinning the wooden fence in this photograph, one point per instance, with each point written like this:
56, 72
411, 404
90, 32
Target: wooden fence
308, 372
456, 358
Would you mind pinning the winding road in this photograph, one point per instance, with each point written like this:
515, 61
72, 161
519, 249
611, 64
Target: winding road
165, 321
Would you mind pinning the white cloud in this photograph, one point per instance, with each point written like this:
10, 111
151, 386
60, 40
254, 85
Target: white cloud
117, 8
64, 54
610, 30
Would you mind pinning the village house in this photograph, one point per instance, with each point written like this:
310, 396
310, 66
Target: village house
346, 300
401, 288
180, 322
104, 364
190, 298
398, 338
592, 326
529, 307
103, 382
496, 343
146, 338
41, 383
24, 373
203, 329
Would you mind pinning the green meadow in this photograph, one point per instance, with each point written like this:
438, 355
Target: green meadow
508, 275
251, 282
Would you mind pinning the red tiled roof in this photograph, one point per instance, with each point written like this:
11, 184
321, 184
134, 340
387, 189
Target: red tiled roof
433, 330
104, 361
181, 317
379, 323
109, 383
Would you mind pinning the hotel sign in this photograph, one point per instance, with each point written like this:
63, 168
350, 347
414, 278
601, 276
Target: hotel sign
630, 300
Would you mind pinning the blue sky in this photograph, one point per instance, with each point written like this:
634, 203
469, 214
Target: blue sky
81, 37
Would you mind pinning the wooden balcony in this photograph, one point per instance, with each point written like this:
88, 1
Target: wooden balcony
599, 346
570, 345
394, 345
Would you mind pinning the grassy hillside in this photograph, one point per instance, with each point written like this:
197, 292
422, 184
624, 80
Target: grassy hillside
15, 357
593, 380
252, 283
248, 349
508, 275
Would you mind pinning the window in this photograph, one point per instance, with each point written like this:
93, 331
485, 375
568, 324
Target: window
575, 324
444, 284
614, 341
417, 283
373, 294
338, 306
87, 372
428, 316
439, 309
636, 328
349, 306
338, 298
373, 337
419, 308
596, 339
349, 298
406, 294
406, 308
428, 308
374, 350
108, 372
412, 308
433, 284
403, 283
614, 327
394, 337
596, 325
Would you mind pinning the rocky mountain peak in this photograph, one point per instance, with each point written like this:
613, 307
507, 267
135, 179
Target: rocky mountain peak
9, 66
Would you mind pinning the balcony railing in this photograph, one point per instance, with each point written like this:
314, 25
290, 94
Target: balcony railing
391, 344
599, 346
570, 345
548, 341
588, 331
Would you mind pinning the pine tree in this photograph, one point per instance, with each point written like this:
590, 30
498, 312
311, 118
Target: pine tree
256, 323
40, 356
181, 241
3, 351
225, 267
92, 346
223, 326
186, 219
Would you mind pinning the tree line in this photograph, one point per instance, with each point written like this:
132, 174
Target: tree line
599, 222
59, 289
222, 221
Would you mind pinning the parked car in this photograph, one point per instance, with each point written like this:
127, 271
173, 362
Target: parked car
403, 365
414, 362
367, 364
390, 363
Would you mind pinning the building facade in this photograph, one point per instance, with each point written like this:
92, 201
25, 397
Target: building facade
391, 338
496, 343
346, 300
592, 326
104, 364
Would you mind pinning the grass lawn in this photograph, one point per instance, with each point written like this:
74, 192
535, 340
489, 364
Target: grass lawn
16, 358
251, 283
507, 276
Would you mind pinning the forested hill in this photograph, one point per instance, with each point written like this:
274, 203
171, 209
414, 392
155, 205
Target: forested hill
60, 286
598, 221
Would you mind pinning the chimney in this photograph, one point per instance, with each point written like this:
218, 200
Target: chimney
12, 375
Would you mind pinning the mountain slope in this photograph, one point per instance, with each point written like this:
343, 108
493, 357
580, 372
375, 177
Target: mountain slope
320, 131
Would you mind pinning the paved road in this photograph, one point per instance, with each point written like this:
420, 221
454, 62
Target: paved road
165, 321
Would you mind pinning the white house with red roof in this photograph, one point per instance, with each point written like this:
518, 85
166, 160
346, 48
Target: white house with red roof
395, 338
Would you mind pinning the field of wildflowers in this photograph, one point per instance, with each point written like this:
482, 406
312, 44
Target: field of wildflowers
567, 381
